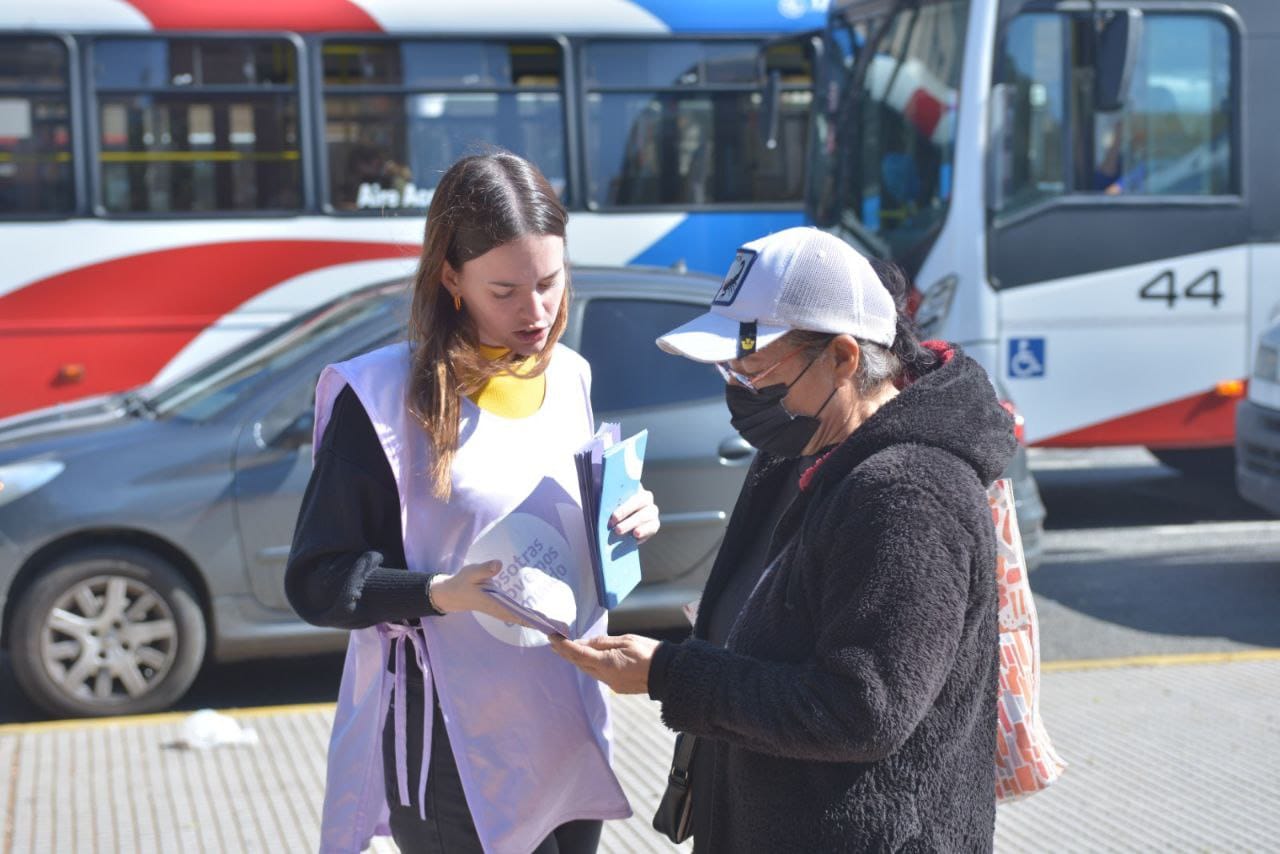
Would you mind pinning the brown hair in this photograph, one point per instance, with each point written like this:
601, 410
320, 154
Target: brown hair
482, 202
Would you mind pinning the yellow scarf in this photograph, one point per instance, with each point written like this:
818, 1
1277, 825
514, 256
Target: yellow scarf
507, 395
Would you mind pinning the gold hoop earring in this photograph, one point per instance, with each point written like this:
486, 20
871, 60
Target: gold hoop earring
457, 302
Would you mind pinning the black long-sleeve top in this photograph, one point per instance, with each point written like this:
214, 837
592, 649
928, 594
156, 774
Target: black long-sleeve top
346, 568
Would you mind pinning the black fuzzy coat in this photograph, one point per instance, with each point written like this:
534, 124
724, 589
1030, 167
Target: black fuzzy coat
854, 708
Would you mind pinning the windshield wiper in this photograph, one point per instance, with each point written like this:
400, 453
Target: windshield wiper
854, 227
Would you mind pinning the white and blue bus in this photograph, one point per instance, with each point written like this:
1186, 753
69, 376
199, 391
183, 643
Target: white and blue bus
1085, 192
175, 176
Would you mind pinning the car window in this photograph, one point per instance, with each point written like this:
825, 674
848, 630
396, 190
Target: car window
628, 370
296, 408
209, 390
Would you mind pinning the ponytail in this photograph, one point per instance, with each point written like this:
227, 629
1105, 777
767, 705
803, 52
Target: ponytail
914, 360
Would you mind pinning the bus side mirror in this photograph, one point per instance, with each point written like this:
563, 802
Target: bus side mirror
771, 110
997, 141
1118, 40
798, 55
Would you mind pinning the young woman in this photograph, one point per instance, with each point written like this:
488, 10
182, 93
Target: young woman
456, 730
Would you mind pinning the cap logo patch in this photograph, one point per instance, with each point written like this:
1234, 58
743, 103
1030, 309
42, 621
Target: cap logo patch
746, 339
735, 277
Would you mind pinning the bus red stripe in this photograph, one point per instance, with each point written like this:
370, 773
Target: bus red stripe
124, 319
291, 15
207, 280
1205, 420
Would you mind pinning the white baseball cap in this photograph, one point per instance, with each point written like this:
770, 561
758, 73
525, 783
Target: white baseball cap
800, 278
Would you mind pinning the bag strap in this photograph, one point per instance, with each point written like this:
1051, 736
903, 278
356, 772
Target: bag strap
681, 759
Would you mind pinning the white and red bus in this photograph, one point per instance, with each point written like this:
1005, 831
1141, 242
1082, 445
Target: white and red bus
1085, 192
175, 176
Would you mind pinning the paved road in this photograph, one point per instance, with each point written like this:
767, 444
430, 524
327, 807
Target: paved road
1180, 592
1140, 561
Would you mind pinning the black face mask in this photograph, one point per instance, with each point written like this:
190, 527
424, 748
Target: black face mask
761, 419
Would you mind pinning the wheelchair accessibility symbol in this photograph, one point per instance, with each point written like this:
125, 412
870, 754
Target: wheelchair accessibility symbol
1026, 358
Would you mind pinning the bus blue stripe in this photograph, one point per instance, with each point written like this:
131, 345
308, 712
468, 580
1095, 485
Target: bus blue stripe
742, 16
706, 242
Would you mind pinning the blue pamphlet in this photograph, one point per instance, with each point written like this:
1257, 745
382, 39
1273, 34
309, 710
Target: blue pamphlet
609, 470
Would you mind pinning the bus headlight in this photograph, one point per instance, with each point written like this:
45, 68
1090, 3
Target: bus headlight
1266, 363
22, 479
935, 305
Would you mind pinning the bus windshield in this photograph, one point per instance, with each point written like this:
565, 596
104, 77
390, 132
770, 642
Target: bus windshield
881, 163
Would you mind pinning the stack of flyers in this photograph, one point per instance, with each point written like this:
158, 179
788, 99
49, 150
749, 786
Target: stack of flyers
609, 470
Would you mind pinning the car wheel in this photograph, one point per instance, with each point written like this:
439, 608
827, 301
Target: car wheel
107, 631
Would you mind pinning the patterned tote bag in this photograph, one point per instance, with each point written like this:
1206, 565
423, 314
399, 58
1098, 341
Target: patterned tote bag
1025, 760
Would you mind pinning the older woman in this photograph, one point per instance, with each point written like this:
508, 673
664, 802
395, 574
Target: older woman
842, 674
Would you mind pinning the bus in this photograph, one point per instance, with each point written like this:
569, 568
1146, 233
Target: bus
1085, 193
177, 176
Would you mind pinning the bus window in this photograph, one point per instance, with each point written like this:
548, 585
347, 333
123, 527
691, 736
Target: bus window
1033, 67
678, 123
397, 114
1173, 136
890, 123
190, 126
36, 176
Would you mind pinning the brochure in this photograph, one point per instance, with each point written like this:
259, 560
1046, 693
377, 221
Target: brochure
540, 601
533, 583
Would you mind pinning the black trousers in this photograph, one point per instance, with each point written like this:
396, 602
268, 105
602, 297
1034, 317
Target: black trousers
449, 828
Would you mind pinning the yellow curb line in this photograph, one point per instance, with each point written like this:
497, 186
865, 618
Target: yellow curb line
159, 718
1176, 660
1083, 664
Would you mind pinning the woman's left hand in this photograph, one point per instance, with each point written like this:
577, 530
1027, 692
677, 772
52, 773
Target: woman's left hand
621, 662
638, 516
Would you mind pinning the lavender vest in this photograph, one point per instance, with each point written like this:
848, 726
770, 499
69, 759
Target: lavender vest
531, 734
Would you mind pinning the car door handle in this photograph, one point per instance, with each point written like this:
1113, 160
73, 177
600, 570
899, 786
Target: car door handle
735, 448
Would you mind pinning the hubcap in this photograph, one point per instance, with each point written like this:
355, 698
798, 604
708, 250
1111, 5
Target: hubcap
109, 639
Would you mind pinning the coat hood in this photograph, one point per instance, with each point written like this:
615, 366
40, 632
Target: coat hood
953, 407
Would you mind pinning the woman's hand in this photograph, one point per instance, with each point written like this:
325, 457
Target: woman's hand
621, 662
464, 591
637, 516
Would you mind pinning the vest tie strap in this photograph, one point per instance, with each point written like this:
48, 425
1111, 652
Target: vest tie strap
401, 636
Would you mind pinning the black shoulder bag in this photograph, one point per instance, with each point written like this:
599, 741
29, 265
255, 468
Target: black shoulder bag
674, 817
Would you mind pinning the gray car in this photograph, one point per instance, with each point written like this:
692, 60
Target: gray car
1258, 428
144, 533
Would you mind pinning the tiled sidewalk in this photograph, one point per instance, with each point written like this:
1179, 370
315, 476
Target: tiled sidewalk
1182, 758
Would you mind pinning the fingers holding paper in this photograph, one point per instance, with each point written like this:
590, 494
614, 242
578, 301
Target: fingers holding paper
638, 516
621, 662
465, 591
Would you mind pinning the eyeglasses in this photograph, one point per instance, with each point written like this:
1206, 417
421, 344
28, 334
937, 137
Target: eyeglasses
749, 380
